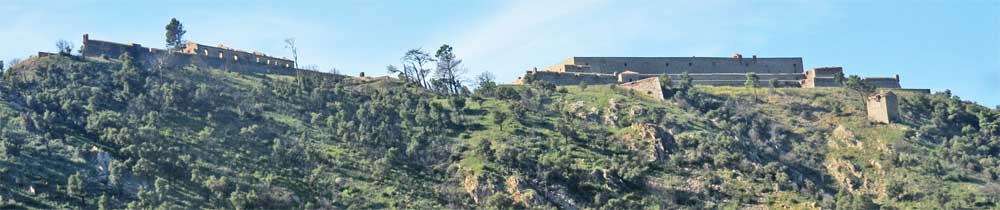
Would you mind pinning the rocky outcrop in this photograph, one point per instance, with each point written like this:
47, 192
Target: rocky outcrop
852, 178
520, 192
647, 140
476, 186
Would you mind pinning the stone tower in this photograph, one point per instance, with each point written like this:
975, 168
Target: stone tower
883, 107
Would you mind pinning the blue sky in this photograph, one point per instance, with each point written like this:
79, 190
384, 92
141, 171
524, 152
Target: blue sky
932, 44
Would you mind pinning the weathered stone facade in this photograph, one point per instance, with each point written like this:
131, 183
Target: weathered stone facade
649, 87
882, 82
195, 54
713, 71
678, 65
225, 53
822, 77
883, 107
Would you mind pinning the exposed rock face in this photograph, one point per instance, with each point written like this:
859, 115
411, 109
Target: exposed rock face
648, 140
516, 189
846, 137
477, 188
852, 178
609, 180
481, 188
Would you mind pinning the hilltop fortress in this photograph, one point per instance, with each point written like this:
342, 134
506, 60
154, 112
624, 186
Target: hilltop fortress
714, 71
195, 54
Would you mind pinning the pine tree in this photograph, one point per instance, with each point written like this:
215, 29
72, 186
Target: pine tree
175, 34
76, 187
104, 203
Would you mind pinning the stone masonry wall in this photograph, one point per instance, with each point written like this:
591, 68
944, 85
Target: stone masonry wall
677, 65
882, 82
237, 55
822, 77
574, 78
160, 57
649, 87
883, 107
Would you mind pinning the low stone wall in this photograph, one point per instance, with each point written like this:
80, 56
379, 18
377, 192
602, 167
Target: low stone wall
913, 90
882, 82
820, 82
738, 76
573, 78
760, 83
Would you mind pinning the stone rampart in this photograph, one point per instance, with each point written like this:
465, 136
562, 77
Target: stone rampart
822, 77
882, 82
677, 65
233, 61
650, 87
236, 55
557, 78
738, 76
715, 71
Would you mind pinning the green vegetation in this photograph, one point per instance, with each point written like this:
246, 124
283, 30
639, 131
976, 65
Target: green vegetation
175, 34
97, 134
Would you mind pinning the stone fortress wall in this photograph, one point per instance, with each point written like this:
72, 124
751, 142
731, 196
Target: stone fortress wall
649, 87
561, 79
678, 65
207, 57
226, 53
715, 71
822, 77
882, 82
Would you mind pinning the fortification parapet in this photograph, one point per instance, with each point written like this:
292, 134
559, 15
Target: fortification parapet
882, 82
677, 65
822, 77
193, 54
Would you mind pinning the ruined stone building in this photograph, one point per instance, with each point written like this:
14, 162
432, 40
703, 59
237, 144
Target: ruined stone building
715, 71
883, 107
195, 54
822, 77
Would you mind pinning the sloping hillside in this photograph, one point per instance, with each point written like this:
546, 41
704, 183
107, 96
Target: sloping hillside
111, 134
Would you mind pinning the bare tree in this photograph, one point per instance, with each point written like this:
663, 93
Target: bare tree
414, 65
486, 84
12, 62
395, 70
64, 47
448, 69
290, 44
